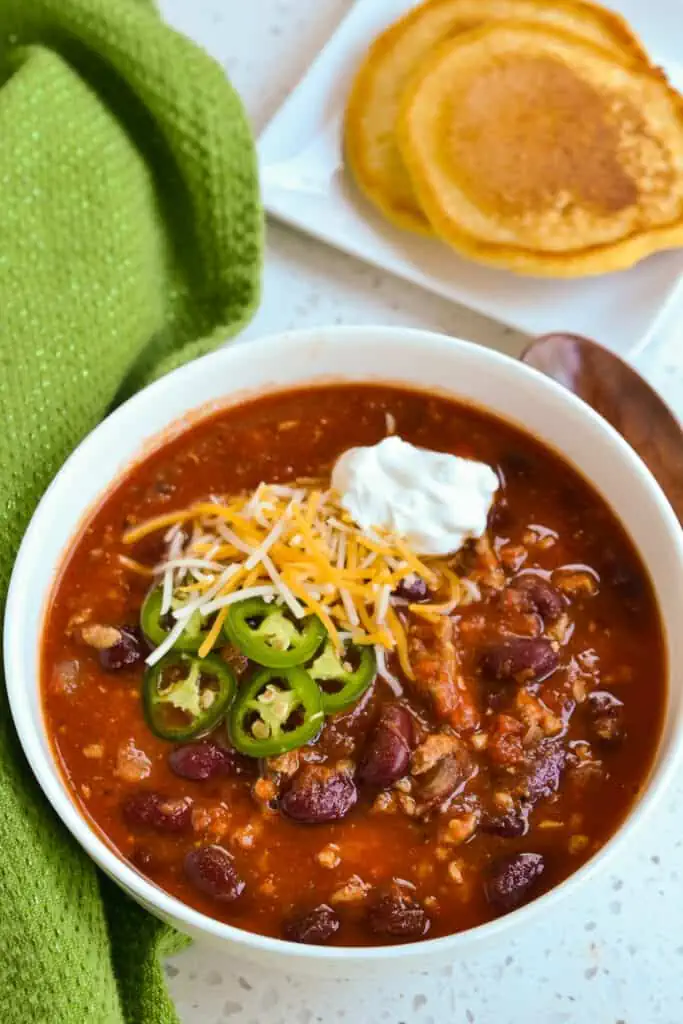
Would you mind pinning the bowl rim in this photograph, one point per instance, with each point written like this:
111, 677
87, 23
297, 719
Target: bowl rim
30, 727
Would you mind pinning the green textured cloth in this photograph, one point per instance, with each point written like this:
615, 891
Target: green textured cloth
130, 241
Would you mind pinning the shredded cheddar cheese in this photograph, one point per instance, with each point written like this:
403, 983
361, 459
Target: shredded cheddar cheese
213, 633
297, 546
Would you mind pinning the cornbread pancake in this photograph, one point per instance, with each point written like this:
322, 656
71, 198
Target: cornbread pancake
532, 149
370, 142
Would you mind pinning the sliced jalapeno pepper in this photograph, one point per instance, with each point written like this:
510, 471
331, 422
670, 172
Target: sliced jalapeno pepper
278, 710
184, 696
152, 625
352, 682
264, 633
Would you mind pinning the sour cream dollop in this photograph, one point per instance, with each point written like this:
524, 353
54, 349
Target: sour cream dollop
433, 500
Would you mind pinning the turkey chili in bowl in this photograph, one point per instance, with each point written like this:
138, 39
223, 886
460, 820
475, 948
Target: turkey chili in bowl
354, 665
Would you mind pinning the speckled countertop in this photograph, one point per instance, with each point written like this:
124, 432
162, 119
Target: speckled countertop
615, 954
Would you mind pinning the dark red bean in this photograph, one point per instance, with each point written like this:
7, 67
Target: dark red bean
508, 825
206, 760
387, 755
519, 658
314, 928
412, 588
606, 714
211, 869
319, 794
149, 810
129, 650
398, 915
537, 595
544, 774
512, 880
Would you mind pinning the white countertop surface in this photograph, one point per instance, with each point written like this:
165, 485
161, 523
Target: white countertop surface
615, 954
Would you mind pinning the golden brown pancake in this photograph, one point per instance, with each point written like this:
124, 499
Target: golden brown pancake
532, 149
370, 141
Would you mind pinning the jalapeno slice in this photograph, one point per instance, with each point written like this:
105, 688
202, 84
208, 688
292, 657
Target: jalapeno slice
278, 710
337, 670
152, 625
184, 696
264, 633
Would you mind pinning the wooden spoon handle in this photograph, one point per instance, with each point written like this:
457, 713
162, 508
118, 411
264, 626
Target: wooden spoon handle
616, 391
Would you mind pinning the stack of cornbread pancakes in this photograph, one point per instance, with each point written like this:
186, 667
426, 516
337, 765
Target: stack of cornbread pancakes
534, 135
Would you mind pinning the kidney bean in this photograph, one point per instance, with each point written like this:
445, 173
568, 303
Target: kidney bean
537, 595
387, 755
318, 794
512, 879
206, 760
412, 588
129, 650
149, 810
606, 717
211, 869
398, 915
314, 928
508, 824
517, 658
544, 773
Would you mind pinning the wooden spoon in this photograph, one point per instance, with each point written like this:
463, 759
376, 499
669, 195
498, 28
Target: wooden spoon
622, 397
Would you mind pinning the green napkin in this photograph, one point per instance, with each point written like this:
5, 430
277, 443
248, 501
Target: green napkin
130, 241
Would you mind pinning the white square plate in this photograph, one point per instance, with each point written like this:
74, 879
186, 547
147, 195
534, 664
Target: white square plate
304, 184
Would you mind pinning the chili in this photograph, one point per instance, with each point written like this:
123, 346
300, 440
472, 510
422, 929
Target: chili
481, 783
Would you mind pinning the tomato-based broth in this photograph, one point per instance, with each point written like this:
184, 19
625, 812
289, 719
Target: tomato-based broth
500, 704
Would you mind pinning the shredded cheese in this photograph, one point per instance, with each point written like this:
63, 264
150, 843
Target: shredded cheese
213, 633
399, 635
294, 545
136, 567
429, 611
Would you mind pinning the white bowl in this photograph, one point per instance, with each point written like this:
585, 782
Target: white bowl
428, 361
